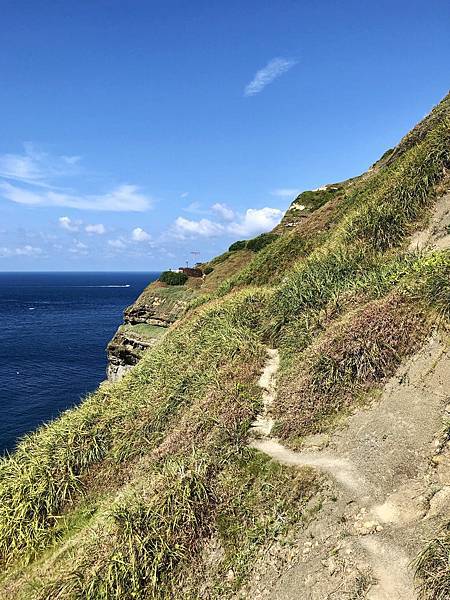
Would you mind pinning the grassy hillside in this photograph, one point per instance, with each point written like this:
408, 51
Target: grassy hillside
148, 489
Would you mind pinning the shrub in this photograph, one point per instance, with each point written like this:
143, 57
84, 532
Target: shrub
354, 356
173, 278
239, 245
261, 241
431, 568
208, 270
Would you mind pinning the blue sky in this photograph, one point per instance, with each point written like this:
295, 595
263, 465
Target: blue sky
134, 132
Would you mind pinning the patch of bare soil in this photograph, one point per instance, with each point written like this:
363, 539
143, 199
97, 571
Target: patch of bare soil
386, 490
437, 234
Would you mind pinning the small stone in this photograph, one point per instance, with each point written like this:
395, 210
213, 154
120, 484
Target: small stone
230, 575
437, 459
368, 527
331, 566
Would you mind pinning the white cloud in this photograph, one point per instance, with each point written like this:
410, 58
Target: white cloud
224, 211
122, 198
100, 229
36, 168
30, 178
68, 224
20, 251
184, 195
252, 222
286, 192
78, 248
195, 208
273, 69
71, 160
256, 221
118, 244
139, 235
203, 228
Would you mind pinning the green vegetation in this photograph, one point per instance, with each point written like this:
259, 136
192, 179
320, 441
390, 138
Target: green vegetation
312, 200
143, 330
356, 353
239, 245
432, 566
208, 270
173, 278
261, 241
148, 489
255, 245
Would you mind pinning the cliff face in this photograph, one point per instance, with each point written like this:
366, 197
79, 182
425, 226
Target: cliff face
144, 323
128, 345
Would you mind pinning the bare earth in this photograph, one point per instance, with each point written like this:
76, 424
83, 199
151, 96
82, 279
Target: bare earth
386, 490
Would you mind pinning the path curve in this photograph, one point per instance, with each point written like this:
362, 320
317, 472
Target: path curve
389, 563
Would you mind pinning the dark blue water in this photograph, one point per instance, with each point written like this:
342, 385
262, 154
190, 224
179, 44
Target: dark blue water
54, 328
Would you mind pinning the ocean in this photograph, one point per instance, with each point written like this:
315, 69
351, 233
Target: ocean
54, 328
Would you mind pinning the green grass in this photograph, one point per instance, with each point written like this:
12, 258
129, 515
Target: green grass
148, 489
433, 568
168, 293
143, 330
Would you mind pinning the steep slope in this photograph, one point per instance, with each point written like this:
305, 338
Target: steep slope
155, 487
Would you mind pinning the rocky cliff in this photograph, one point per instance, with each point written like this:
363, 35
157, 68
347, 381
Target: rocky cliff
144, 323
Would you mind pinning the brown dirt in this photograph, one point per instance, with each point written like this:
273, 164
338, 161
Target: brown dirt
386, 489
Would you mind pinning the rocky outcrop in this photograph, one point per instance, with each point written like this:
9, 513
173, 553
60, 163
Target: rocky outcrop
148, 313
308, 202
126, 349
144, 323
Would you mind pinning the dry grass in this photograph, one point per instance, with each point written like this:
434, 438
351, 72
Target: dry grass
433, 569
352, 356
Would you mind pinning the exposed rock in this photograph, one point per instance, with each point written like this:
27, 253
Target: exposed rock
144, 321
125, 350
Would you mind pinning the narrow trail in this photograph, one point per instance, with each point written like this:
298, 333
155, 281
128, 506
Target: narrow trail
377, 509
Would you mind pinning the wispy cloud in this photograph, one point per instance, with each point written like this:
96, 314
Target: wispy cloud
286, 192
26, 250
37, 168
274, 69
196, 209
79, 248
34, 178
121, 199
224, 211
117, 244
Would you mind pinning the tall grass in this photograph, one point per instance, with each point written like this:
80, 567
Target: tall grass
119, 422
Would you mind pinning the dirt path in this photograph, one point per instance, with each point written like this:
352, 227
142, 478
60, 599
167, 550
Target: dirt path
381, 496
